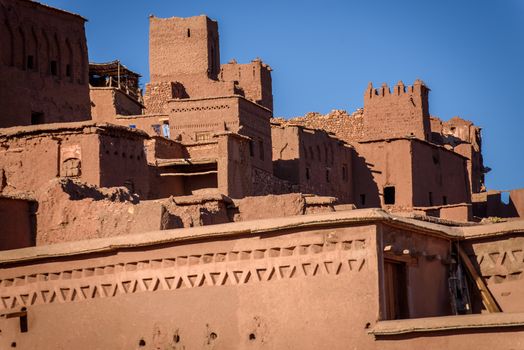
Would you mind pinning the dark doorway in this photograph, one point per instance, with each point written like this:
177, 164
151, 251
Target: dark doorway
395, 285
389, 195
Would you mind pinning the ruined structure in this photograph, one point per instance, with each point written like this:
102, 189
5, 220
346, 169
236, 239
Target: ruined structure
223, 227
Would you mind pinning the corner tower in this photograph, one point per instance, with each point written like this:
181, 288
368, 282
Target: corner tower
181, 49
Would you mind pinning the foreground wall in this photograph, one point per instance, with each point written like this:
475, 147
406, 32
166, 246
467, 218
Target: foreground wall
302, 289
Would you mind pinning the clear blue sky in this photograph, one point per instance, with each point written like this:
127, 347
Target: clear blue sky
469, 52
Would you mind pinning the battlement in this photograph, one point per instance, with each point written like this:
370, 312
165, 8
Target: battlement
418, 88
403, 112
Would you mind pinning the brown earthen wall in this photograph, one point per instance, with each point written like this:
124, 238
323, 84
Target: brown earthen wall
439, 172
43, 65
381, 164
208, 282
17, 223
402, 112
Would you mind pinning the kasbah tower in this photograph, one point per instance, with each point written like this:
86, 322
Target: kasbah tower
186, 216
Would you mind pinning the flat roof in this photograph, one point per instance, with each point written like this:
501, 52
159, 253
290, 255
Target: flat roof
256, 227
23, 131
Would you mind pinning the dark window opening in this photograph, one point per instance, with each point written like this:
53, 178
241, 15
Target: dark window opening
261, 149
327, 176
319, 156
251, 149
363, 199
430, 199
68, 70
395, 283
307, 174
444, 200
54, 68
188, 33
30, 62
23, 321
37, 118
344, 172
389, 195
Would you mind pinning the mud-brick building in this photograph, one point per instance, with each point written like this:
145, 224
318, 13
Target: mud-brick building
314, 161
97, 154
43, 64
190, 96
362, 279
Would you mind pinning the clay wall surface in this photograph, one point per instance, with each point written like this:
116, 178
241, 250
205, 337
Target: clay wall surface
254, 79
31, 161
18, 223
234, 166
402, 112
161, 148
183, 48
440, 172
208, 282
43, 65
286, 152
107, 103
381, 164
98, 155
123, 162
424, 260
318, 163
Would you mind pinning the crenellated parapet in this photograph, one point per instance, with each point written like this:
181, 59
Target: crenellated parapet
402, 111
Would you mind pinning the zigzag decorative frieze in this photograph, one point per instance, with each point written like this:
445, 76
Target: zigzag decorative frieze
500, 261
195, 271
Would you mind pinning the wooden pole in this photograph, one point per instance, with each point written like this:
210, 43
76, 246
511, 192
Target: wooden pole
487, 298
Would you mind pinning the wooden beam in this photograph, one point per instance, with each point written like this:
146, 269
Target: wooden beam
487, 298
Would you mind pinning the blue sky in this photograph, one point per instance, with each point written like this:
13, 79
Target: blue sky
324, 53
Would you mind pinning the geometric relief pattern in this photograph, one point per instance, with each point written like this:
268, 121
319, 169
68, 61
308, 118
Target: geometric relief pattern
180, 272
500, 264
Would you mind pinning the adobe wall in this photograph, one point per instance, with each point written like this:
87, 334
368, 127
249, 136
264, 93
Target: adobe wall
17, 216
380, 164
424, 258
238, 291
234, 166
108, 102
43, 65
254, 79
183, 48
440, 172
123, 163
98, 155
402, 112
315, 161
30, 161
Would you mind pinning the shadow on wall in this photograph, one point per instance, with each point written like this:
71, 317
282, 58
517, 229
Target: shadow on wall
365, 190
287, 169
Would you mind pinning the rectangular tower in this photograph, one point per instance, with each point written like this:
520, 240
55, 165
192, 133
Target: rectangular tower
183, 48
